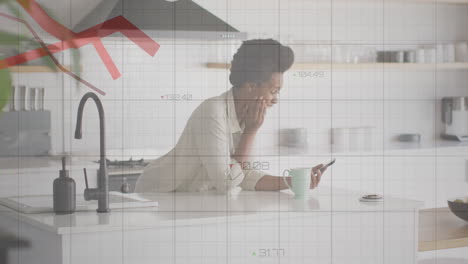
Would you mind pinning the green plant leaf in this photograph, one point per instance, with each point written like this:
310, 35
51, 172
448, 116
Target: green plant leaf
7, 38
5, 1
76, 62
11, 39
49, 63
14, 9
5, 87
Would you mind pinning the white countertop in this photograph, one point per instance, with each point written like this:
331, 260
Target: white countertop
177, 209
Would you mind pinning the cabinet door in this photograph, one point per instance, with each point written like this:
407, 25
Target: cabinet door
374, 237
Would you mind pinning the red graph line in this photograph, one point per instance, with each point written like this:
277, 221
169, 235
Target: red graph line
46, 52
50, 25
70, 39
92, 35
116, 24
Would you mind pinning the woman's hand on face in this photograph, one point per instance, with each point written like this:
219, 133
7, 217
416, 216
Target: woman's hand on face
315, 175
255, 114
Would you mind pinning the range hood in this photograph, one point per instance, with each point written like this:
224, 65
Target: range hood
161, 19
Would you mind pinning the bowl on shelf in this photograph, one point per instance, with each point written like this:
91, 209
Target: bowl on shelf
459, 207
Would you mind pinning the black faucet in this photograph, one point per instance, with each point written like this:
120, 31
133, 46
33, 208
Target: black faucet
101, 193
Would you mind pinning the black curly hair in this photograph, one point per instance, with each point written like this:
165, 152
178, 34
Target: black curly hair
256, 60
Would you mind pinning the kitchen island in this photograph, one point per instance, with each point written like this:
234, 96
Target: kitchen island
333, 226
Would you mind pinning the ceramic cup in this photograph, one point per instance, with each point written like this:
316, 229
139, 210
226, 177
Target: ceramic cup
449, 52
461, 52
300, 181
293, 137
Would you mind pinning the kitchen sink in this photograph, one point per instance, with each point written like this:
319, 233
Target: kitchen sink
32, 204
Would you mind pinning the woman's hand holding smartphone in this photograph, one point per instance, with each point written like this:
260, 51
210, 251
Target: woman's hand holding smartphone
316, 173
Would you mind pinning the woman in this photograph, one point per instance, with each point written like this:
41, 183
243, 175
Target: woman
220, 132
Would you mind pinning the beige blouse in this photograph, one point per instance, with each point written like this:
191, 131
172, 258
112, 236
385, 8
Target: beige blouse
201, 160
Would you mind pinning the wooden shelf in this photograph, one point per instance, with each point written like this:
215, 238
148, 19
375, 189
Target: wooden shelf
441, 229
362, 66
32, 69
443, 1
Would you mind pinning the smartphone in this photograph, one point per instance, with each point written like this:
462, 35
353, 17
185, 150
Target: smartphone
327, 165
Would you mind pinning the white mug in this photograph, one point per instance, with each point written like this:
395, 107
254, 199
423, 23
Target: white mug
300, 181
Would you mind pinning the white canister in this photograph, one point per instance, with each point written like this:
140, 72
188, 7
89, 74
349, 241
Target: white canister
361, 138
340, 139
337, 54
368, 138
440, 53
355, 139
400, 56
325, 53
430, 55
461, 52
420, 55
449, 52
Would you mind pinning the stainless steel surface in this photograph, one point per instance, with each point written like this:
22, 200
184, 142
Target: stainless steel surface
450, 104
447, 106
120, 164
409, 137
123, 174
200, 24
101, 193
455, 118
460, 103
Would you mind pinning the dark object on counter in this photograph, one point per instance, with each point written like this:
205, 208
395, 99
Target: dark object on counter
101, 193
64, 192
371, 198
410, 56
387, 56
125, 188
409, 138
8, 241
120, 182
131, 163
459, 209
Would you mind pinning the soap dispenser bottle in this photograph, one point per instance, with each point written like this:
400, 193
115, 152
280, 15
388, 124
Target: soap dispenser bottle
64, 192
